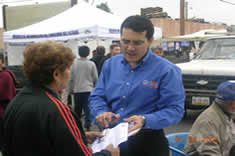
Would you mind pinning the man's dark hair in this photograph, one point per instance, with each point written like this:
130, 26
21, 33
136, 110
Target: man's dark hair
139, 24
100, 50
83, 51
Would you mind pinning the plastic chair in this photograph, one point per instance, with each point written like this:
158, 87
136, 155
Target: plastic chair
177, 142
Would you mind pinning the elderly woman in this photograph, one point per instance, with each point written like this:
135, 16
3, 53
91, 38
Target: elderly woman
36, 122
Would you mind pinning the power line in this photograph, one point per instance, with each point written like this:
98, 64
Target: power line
227, 2
15, 1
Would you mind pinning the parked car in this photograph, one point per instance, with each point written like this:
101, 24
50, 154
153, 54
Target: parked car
214, 64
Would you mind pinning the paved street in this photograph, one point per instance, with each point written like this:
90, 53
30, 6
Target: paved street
185, 124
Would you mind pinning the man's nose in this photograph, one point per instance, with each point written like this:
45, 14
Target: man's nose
130, 47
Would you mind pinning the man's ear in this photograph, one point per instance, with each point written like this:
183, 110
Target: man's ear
150, 41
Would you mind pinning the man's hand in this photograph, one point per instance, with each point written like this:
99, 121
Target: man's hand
138, 121
114, 151
91, 136
107, 118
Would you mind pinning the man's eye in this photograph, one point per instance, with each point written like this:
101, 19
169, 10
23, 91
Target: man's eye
138, 42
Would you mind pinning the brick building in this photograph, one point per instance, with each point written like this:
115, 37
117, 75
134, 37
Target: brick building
171, 27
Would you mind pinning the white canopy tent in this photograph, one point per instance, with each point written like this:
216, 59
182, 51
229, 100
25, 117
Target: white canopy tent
80, 23
83, 22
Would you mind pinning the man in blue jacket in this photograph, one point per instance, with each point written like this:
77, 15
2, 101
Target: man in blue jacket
140, 87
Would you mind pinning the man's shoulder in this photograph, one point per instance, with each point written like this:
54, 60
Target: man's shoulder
115, 59
209, 115
78, 62
163, 64
158, 59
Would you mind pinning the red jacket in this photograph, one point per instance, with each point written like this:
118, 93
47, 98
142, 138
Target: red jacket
7, 89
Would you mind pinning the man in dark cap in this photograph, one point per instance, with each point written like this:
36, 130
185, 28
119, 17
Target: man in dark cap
211, 134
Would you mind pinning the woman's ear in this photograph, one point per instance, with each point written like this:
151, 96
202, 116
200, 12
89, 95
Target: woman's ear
55, 75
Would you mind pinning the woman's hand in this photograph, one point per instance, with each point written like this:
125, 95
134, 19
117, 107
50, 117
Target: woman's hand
91, 136
114, 151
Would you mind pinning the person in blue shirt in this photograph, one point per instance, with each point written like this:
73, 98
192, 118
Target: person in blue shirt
139, 87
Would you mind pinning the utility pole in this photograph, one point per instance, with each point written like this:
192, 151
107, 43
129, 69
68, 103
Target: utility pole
227, 2
182, 3
186, 11
73, 2
3, 27
4, 16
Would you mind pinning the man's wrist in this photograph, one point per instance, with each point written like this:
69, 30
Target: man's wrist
143, 120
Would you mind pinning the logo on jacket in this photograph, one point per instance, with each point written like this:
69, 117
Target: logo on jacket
150, 84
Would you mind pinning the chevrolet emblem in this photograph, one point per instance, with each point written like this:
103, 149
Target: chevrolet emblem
202, 82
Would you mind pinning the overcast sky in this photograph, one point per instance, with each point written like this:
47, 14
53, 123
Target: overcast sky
210, 10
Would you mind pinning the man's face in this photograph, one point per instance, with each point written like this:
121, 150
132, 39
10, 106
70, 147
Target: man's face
115, 51
231, 107
62, 79
134, 45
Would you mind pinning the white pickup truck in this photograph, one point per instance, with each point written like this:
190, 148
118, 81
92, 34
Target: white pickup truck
214, 63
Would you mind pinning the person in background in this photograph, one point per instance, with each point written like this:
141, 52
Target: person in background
83, 80
7, 90
211, 133
115, 49
7, 86
158, 50
129, 90
36, 122
94, 54
100, 50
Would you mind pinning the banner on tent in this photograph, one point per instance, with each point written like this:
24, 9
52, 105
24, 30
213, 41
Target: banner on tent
57, 34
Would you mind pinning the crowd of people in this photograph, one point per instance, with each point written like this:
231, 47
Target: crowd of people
133, 83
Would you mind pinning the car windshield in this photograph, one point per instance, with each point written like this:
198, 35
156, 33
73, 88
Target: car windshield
218, 49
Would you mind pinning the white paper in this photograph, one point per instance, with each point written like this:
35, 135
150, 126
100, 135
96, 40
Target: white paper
114, 136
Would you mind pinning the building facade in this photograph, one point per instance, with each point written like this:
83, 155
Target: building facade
171, 27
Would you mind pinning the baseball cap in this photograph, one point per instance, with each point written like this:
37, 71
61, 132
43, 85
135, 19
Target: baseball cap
226, 91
